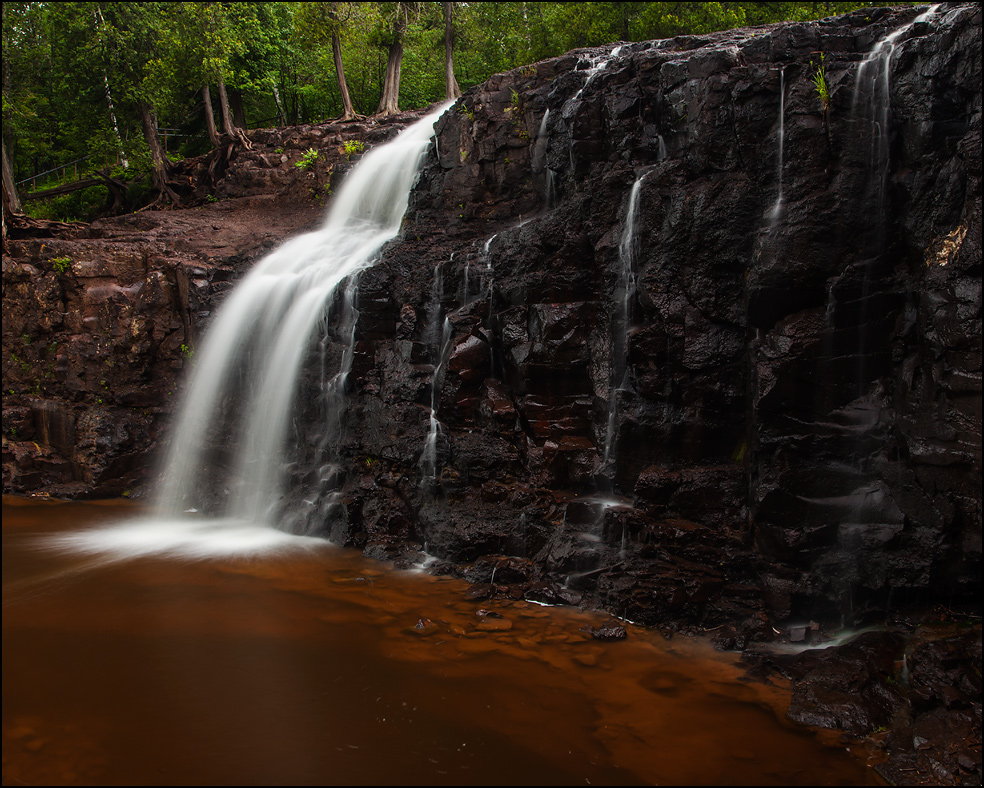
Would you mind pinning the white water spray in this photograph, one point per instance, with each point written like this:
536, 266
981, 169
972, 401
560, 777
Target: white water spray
263, 331
872, 104
776, 209
624, 294
428, 457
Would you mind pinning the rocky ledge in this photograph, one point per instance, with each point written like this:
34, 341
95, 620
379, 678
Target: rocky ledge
101, 319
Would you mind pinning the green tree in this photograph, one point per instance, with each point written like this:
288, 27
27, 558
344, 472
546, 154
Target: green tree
320, 24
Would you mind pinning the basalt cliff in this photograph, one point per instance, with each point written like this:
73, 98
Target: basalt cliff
690, 329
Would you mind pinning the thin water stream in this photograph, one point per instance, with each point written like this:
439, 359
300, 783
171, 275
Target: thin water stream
307, 664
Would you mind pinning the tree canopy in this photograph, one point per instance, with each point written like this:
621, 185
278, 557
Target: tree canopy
92, 84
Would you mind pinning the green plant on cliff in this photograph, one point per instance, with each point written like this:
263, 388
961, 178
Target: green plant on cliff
61, 264
352, 148
820, 83
309, 157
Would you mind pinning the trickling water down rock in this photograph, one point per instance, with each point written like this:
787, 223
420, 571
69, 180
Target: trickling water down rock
801, 428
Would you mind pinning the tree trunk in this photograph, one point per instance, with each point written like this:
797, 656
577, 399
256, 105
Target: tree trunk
238, 111
281, 115
227, 125
11, 200
452, 91
336, 50
111, 106
116, 126
213, 135
148, 119
389, 101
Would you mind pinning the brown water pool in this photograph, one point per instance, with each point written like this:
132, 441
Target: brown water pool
303, 666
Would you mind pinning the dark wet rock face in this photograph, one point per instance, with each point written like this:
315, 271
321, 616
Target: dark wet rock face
918, 697
796, 422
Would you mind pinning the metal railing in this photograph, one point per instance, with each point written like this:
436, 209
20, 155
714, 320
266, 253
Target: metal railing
164, 133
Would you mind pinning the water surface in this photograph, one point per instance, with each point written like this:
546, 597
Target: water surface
304, 664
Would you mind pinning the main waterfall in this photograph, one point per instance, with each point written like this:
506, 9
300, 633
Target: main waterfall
253, 352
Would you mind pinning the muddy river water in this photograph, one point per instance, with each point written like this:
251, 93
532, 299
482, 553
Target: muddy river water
307, 664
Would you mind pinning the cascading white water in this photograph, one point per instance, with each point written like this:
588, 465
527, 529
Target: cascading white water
428, 457
776, 208
872, 105
491, 323
264, 329
539, 162
595, 65
625, 292
439, 336
872, 109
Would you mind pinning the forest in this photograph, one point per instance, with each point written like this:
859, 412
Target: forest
102, 99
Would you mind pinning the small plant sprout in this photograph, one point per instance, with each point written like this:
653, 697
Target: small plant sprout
820, 82
61, 264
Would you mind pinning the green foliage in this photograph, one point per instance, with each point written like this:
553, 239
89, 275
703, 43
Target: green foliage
820, 83
188, 352
61, 264
309, 157
66, 62
352, 148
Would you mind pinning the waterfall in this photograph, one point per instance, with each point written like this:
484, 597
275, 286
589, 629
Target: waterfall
594, 65
539, 162
776, 209
491, 323
872, 108
624, 293
254, 350
439, 336
428, 457
872, 103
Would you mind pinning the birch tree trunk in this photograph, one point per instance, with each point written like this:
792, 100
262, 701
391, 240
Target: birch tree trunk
112, 107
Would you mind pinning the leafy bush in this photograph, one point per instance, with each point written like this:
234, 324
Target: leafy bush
353, 147
309, 157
